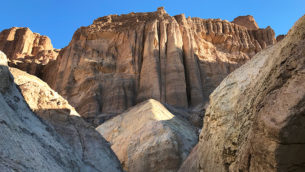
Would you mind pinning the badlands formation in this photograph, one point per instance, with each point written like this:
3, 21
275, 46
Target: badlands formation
132, 92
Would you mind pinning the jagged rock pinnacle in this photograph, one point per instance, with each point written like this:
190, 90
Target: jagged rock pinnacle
161, 10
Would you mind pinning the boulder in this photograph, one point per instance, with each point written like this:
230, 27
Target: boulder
148, 137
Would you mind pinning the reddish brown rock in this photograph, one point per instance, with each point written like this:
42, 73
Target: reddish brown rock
119, 61
280, 37
26, 50
247, 21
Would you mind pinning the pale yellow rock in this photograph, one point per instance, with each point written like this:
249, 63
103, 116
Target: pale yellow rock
148, 137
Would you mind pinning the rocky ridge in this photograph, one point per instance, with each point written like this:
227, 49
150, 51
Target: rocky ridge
26, 50
119, 61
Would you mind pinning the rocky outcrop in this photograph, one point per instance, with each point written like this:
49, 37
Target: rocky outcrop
119, 61
26, 50
256, 117
81, 136
148, 137
28, 143
280, 37
246, 21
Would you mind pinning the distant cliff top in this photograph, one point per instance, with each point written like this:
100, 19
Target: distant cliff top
247, 21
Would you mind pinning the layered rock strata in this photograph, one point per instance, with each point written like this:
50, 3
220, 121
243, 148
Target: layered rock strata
149, 138
119, 61
256, 117
28, 143
26, 50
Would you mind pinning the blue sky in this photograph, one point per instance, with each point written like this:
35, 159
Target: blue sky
59, 19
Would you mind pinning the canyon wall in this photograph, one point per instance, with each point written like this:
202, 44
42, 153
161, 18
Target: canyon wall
256, 117
119, 61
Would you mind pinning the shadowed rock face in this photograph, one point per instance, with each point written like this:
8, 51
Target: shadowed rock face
119, 61
81, 136
26, 50
58, 141
256, 117
147, 137
26, 142
280, 37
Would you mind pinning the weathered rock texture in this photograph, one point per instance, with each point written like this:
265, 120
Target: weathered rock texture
256, 117
26, 50
119, 61
84, 139
149, 138
28, 143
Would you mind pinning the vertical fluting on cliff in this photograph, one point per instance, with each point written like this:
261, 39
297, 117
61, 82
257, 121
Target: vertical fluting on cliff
150, 69
119, 61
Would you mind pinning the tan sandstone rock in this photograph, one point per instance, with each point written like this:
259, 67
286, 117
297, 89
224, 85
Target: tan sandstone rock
247, 21
148, 137
119, 61
255, 121
26, 50
86, 142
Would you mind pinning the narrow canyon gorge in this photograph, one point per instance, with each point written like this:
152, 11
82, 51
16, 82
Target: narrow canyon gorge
156, 93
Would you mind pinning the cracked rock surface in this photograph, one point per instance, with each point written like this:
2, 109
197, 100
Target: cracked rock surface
256, 117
